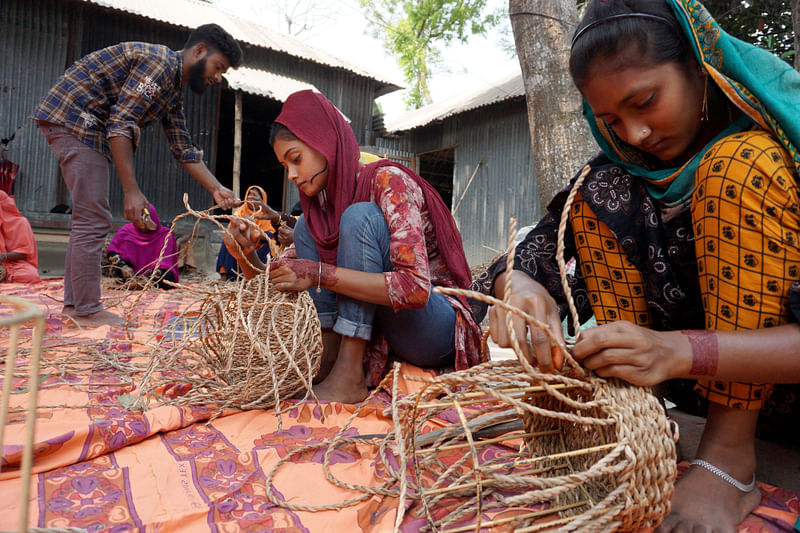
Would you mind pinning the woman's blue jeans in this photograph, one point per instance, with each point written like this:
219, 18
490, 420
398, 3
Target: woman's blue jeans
423, 337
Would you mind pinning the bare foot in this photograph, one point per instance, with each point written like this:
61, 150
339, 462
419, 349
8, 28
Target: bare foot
68, 310
100, 318
703, 501
332, 389
345, 382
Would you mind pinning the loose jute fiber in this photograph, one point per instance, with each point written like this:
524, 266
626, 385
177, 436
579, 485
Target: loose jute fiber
524, 450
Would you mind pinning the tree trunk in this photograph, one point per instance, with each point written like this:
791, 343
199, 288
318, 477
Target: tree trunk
560, 138
796, 24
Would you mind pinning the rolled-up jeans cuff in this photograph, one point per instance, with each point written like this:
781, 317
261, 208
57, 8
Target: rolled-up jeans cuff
349, 328
327, 320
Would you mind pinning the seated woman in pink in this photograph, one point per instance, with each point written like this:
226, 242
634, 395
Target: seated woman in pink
18, 254
140, 252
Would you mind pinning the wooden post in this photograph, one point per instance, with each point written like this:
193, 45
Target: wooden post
237, 144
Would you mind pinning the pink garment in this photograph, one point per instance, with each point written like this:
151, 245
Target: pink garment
16, 235
142, 249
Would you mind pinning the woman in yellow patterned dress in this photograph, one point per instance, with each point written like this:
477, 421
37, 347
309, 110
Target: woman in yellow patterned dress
686, 232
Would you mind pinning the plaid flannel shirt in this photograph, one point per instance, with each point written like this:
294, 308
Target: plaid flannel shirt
119, 90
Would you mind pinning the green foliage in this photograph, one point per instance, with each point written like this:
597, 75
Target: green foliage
413, 31
765, 23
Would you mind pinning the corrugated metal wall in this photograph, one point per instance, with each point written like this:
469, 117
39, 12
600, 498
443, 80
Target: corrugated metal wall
353, 95
33, 51
34, 48
504, 185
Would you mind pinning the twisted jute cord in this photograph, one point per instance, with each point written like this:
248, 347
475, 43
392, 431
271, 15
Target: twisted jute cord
336, 441
92, 361
401, 449
331, 444
419, 467
140, 285
562, 268
248, 346
466, 510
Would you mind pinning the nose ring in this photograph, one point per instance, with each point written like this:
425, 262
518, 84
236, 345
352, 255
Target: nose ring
645, 131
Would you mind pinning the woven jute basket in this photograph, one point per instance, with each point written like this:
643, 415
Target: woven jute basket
590, 454
246, 347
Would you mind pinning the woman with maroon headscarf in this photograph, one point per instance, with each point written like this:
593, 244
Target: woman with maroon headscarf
371, 244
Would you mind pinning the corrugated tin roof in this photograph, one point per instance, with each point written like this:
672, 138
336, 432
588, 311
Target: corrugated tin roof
264, 83
193, 13
269, 84
506, 88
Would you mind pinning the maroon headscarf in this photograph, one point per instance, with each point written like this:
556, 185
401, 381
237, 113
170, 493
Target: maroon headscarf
313, 119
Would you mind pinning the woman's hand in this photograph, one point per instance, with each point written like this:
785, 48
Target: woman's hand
285, 235
529, 296
638, 355
295, 274
242, 240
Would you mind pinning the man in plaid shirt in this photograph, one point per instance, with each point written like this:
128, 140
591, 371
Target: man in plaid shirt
94, 114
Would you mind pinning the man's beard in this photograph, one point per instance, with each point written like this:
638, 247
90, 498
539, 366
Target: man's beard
197, 79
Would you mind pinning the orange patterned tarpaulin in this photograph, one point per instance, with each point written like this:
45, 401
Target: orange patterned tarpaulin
101, 467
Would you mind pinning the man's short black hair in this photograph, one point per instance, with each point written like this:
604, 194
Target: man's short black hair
217, 39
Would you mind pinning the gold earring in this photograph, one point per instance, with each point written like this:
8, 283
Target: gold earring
704, 109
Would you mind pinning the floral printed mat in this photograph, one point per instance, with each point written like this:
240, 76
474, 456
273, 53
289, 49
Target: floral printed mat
103, 468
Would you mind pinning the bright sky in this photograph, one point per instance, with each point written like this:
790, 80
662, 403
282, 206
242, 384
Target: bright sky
341, 31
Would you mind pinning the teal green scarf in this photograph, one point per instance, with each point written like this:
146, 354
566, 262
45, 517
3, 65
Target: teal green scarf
765, 88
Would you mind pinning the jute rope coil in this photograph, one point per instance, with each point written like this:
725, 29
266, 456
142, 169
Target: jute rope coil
536, 451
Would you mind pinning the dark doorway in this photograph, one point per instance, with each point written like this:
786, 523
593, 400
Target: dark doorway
258, 163
437, 168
